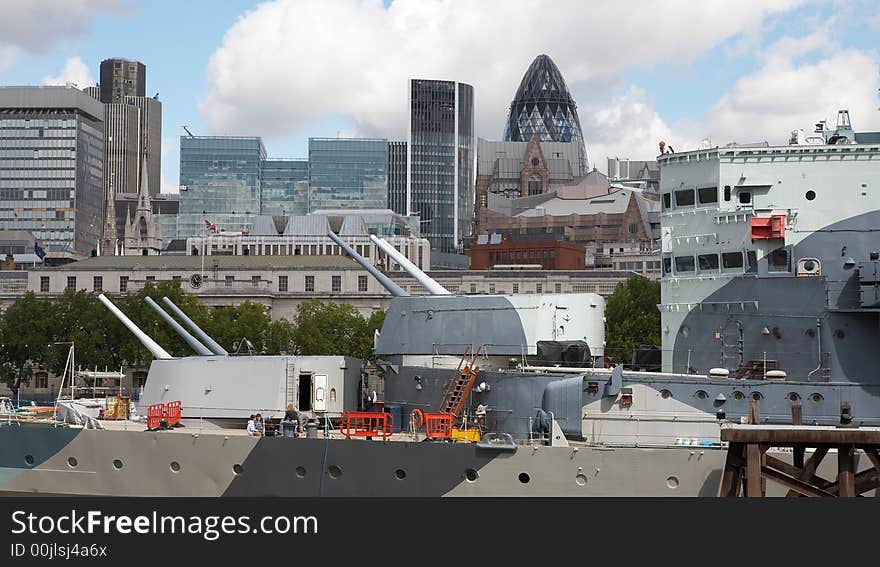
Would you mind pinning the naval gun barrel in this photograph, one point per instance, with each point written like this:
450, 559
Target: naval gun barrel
152, 346
427, 282
190, 340
386, 282
209, 342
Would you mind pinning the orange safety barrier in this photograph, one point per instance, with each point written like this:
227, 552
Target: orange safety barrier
438, 425
366, 424
170, 412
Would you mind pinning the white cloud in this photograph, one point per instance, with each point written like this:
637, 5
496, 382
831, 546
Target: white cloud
35, 26
287, 63
75, 71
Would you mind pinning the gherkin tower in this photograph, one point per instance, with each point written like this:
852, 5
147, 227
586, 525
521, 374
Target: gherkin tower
543, 107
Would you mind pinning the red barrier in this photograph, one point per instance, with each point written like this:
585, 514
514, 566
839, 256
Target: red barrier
366, 424
170, 412
438, 425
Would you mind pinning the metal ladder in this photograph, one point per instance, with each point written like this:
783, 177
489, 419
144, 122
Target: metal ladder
462, 381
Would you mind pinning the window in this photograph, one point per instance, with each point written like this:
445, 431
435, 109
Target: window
491, 288
745, 197
71, 282
708, 262
473, 288
539, 288
229, 280
516, 288
255, 281
558, 288
536, 185
151, 278
123, 284
684, 264
732, 260
633, 228
667, 266
98, 283
727, 192
44, 284
176, 278
684, 198
362, 283
41, 380
667, 201
310, 283
752, 261
282, 283
708, 195
336, 283
778, 261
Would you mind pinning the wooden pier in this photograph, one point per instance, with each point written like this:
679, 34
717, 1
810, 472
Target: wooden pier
749, 467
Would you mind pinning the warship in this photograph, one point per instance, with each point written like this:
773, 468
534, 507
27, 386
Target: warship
770, 292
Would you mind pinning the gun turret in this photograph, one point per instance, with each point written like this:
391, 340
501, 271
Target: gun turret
209, 342
198, 347
432, 286
386, 282
144, 338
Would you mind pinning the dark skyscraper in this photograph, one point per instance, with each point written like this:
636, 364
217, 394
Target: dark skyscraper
543, 107
121, 78
397, 177
440, 160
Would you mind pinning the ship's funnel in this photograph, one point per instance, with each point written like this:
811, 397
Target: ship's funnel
209, 342
158, 352
386, 282
198, 347
432, 286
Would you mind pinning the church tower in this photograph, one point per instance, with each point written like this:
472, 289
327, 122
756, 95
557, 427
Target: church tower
141, 230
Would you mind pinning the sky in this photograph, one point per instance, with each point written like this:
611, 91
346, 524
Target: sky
639, 71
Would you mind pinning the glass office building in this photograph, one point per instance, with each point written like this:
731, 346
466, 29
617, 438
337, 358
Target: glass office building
219, 182
348, 173
440, 161
52, 167
284, 187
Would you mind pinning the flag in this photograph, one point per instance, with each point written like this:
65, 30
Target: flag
38, 250
211, 226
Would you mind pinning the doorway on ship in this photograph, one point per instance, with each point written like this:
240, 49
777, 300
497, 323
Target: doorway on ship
305, 392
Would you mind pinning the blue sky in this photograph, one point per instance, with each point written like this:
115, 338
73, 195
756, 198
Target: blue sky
292, 69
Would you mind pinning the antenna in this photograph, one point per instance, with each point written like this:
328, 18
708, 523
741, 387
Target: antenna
190, 340
158, 352
209, 342
432, 286
386, 282
187, 129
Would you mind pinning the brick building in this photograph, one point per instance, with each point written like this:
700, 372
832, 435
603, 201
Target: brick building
549, 254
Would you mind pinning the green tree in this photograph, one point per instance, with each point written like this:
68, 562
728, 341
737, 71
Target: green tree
632, 317
79, 317
26, 331
334, 328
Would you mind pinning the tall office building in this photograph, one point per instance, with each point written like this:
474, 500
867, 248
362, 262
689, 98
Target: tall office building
220, 181
348, 173
543, 107
440, 160
284, 187
121, 78
397, 177
52, 162
150, 139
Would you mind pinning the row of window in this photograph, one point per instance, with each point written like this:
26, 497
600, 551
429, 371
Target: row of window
777, 261
701, 197
283, 283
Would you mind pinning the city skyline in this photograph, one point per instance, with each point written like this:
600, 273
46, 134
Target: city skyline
683, 73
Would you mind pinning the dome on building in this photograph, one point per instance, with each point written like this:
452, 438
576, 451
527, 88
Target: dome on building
543, 107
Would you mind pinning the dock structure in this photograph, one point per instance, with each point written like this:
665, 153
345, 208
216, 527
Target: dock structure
749, 467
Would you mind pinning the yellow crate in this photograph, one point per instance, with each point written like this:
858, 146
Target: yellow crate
465, 436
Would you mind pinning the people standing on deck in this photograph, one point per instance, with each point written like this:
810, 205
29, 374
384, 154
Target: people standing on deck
291, 419
252, 426
664, 149
259, 425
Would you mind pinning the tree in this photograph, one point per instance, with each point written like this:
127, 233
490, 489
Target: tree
334, 328
25, 333
79, 317
632, 317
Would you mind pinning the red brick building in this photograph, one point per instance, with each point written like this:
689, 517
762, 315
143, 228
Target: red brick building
550, 255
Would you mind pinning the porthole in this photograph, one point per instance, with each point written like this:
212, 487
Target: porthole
737, 395
757, 396
471, 475
118, 464
29, 460
665, 394
701, 395
174, 466
300, 472
400, 474
810, 195
672, 482
236, 468
817, 398
581, 479
793, 396
72, 462
524, 477
334, 471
